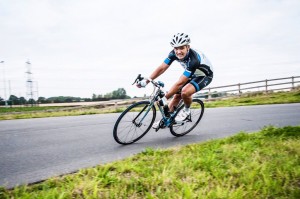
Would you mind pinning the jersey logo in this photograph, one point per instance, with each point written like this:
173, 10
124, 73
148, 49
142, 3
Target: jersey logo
205, 82
184, 65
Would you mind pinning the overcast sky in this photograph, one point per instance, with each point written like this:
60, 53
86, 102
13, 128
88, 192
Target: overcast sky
77, 48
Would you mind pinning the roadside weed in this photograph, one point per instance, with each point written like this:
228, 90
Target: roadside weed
257, 165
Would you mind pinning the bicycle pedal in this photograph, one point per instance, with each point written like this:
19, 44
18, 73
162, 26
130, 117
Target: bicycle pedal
188, 119
161, 124
179, 123
160, 127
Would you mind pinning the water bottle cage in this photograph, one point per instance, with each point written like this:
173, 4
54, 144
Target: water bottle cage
161, 103
166, 111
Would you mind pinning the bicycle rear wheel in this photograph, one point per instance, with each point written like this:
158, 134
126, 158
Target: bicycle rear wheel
183, 128
128, 128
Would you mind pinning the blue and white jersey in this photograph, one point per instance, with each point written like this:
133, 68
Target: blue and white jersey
195, 64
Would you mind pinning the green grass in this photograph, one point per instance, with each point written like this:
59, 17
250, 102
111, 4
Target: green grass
257, 165
258, 99
27, 109
248, 99
59, 112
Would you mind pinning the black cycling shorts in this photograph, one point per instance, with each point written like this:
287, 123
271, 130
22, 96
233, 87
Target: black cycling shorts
199, 82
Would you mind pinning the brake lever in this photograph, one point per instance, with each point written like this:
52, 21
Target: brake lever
139, 78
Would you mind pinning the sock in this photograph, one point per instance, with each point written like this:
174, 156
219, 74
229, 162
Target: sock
186, 109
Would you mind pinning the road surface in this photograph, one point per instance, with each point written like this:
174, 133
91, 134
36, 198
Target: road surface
32, 150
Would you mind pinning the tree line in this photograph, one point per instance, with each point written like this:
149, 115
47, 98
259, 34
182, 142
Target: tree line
120, 93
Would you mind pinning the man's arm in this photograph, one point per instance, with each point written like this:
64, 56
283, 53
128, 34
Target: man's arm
159, 70
175, 88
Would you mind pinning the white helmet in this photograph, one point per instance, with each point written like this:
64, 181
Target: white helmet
180, 39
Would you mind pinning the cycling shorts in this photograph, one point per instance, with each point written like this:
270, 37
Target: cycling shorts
199, 82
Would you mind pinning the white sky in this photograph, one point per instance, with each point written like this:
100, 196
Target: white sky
77, 48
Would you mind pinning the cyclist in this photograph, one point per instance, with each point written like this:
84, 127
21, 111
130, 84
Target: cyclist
198, 73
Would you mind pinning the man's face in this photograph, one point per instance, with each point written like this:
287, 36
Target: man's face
181, 51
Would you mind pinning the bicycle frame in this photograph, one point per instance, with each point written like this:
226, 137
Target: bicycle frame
157, 90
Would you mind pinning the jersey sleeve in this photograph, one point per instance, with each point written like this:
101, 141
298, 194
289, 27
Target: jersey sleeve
187, 72
171, 57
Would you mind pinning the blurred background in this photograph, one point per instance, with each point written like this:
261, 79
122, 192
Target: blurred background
84, 48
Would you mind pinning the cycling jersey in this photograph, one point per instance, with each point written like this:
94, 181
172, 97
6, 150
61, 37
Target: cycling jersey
195, 64
196, 67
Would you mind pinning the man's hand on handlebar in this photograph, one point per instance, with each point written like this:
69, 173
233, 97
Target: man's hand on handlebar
141, 84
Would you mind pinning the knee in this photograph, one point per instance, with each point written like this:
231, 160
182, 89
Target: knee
185, 94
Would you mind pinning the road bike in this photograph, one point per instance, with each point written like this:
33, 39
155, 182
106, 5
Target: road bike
138, 118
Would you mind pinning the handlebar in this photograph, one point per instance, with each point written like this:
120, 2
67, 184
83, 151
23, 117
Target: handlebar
157, 84
139, 78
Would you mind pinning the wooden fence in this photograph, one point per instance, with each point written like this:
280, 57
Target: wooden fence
287, 83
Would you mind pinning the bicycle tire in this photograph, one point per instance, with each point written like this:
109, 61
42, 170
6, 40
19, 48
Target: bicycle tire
126, 130
197, 110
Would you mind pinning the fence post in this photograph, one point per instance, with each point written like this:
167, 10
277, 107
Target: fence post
239, 86
293, 85
266, 86
209, 94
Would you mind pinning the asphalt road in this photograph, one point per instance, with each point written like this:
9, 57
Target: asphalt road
32, 150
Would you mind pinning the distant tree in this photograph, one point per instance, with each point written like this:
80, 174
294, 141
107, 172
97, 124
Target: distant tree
42, 100
108, 95
68, 99
32, 102
55, 99
62, 99
14, 100
120, 93
22, 100
2, 101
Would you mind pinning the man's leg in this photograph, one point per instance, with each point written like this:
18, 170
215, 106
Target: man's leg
174, 102
186, 94
188, 90
194, 86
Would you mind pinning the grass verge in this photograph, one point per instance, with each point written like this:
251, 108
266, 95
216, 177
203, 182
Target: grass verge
258, 165
246, 100
259, 98
59, 113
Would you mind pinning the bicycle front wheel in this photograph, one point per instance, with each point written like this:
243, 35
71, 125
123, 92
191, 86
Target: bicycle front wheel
183, 128
134, 123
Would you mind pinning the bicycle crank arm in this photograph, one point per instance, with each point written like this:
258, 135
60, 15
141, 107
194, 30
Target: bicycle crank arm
179, 124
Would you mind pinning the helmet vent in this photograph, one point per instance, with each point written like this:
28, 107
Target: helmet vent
180, 39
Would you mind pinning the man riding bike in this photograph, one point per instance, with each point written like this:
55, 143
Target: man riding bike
198, 73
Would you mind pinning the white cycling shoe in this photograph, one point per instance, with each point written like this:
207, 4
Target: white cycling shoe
156, 125
182, 116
